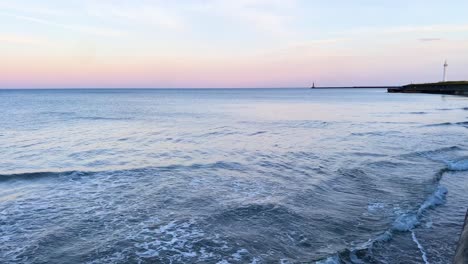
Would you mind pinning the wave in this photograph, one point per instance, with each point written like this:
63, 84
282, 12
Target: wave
458, 165
443, 155
258, 133
463, 123
219, 133
303, 123
254, 210
439, 124
378, 133
57, 113
39, 175
453, 161
235, 166
369, 154
101, 118
405, 221
219, 165
408, 221
415, 113
73, 115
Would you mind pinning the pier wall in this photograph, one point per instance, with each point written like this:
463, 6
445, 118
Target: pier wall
433, 88
461, 255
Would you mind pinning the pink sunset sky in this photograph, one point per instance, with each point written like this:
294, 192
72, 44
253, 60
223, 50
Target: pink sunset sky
215, 43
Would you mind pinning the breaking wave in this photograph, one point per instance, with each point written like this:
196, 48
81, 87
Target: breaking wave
405, 221
458, 165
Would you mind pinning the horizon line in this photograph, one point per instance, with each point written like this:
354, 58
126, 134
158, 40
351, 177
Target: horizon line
198, 88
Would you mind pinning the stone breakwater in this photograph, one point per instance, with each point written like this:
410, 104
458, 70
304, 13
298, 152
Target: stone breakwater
455, 88
461, 257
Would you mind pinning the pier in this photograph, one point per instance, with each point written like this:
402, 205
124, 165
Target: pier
454, 88
461, 255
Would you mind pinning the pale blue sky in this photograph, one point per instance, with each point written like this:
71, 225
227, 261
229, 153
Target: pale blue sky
212, 43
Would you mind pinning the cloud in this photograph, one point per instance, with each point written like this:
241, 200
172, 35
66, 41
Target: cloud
77, 28
431, 28
429, 39
265, 21
23, 40
411, 29
316, 42
30, 8
270, 16
143, 13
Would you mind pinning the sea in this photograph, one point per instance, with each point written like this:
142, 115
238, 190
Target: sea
231, 176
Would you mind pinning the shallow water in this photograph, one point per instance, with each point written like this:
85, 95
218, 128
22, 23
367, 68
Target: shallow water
231, 176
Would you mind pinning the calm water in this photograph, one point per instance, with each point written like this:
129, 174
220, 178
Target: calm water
231, 176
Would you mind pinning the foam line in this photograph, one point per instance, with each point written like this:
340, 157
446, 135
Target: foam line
421, 248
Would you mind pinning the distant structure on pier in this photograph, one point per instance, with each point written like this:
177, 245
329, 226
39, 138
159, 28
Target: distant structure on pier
442, 87
445, 71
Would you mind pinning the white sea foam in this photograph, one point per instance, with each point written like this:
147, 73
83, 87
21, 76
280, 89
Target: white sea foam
355, 259
384, 237
435, 199
372, 207
406, 222
330, 260
420, 247
118, 257
173, 236
255, 260
459, 165
428, 224
238, 255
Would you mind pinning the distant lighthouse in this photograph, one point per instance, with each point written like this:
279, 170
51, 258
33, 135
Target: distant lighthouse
445, 71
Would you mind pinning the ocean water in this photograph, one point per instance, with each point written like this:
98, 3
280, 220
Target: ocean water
231, 176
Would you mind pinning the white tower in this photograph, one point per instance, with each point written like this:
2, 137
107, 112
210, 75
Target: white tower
445, 71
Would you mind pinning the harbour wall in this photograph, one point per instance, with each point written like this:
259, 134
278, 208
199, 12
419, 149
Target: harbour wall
461, 255
433, 88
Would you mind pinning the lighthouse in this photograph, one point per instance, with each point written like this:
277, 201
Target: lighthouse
445, 71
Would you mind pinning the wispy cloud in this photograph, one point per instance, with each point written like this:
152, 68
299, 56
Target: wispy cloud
23, 40
316, 42
432, 28
77, 28
143, 13
30, 8
429, 39
271, 16
411, 29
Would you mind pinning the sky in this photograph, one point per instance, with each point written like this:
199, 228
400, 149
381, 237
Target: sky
230, 43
